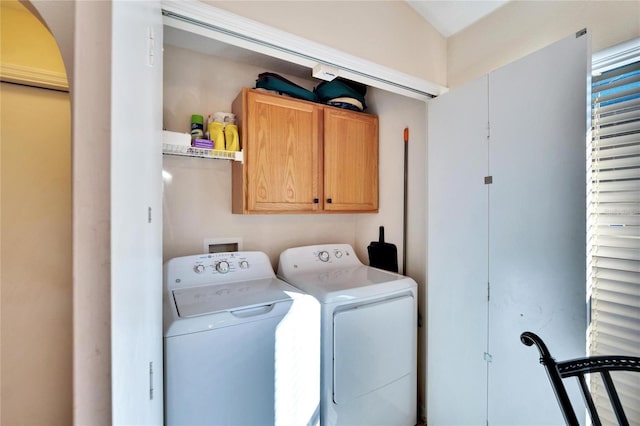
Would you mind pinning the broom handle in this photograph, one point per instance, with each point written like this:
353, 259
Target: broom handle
404, 219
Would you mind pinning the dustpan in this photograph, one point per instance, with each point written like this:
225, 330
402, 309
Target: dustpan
383, 255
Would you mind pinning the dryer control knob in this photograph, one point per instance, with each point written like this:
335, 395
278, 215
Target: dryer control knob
222, 267
338, 254
199, 269
244, 264
323, 256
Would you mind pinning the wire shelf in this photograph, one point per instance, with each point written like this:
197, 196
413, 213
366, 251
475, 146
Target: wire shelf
190, 151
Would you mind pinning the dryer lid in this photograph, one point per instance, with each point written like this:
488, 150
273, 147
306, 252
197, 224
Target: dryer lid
194, 301
349, 283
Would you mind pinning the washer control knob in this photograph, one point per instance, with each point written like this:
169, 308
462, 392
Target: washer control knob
199, 269
222, 267
244, 264
338, 254
323, 256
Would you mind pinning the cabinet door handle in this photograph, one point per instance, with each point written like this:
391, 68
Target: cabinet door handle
316, 201
329, 201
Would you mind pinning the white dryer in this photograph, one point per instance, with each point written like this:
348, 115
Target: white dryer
241, 347
369, 335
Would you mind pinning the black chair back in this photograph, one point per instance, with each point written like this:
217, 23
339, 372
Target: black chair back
557, 371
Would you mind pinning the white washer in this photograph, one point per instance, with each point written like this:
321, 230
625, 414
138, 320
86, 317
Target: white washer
241, 346
369, 335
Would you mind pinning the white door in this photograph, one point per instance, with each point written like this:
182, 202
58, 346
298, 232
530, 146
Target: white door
136, 227
537, 242
457, 256
506, 256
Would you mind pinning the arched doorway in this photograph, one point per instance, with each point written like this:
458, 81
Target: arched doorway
36, 280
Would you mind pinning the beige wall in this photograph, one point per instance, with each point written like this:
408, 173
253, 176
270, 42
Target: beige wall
36, 256
91, 99
389, 33
522, 27
35, 272
197, 199
82, 31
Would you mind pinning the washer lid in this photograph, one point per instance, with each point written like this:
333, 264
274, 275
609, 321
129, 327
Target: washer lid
349, 283
194, 301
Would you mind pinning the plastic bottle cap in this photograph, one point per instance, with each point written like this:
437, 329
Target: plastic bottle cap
195, 118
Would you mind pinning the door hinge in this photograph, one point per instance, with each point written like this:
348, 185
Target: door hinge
488, 180
581, 33
151, 380
151, 47
488, 292
149, 214
488, 357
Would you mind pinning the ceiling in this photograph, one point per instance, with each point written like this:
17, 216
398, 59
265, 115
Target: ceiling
452, 16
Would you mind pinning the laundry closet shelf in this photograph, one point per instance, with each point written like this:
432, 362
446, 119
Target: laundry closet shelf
190, 151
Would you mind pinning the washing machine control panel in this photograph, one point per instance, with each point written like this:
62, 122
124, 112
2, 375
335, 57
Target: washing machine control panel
197, 270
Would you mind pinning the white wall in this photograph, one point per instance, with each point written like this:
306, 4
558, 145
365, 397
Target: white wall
522, 27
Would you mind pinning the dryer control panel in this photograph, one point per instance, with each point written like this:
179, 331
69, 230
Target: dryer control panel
317, 258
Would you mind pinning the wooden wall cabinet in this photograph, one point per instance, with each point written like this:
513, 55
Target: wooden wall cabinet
303, 157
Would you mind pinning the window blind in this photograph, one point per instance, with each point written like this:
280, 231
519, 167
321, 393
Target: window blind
613, 197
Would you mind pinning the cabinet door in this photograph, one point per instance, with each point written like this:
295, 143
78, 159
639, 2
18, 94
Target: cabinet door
282, 150
350, 161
